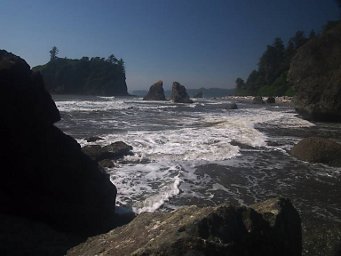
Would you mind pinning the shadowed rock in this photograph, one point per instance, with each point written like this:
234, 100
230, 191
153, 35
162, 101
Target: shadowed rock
271, 100
113, 151
269, 228
179, 94
318, 150
199, 95
156, 92
315, 73
44, 174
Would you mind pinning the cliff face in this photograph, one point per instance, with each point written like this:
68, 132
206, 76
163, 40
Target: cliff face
315, 72
84, 77
44, 175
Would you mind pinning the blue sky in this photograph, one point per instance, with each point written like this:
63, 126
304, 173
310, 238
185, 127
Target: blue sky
200, 43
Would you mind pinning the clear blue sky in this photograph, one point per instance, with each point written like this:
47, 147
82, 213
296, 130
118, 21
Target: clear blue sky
200, 43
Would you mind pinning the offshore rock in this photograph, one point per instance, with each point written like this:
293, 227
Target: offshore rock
270, 100
179, 94
258, 100
113, 151
269, 228
315, 73
318, 150
44, 174
156, 92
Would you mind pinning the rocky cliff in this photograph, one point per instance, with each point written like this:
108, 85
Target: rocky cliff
44, 175
95, 76
315, 72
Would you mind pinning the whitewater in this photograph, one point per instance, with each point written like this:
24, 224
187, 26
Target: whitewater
204, 153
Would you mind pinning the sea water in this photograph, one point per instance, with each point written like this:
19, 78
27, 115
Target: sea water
205, 153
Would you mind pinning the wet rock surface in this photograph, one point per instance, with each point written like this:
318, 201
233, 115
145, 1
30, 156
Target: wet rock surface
179, 94
318, 150
269, 228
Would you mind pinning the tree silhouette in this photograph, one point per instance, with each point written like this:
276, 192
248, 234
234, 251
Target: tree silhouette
53, 53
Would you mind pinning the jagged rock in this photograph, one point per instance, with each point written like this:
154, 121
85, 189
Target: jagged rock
113, 151
156, 92
269, 228
179, 94
55, 182
258, 100
318, 150
94, 139
315, 73
271, 100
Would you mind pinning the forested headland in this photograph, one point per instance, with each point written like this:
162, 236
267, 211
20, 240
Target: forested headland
270, 77
85, 76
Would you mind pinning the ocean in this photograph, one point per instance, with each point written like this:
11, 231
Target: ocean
206, 154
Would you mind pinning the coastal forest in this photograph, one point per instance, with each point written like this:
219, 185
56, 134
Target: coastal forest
85, 76
271, 76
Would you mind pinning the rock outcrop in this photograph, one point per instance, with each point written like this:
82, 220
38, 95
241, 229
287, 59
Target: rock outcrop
105, 155
156, 92
270, 100
179, 94
86, 76
44, 174
269, 228
258, 100
318, 150
315, 73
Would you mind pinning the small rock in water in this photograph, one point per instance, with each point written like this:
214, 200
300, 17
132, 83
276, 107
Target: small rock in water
271, 100
94, 138
258, 100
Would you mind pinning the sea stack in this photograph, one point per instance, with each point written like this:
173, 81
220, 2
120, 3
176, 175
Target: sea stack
179, 94
156, 92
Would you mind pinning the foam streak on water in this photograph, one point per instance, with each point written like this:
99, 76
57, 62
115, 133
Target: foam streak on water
175, 146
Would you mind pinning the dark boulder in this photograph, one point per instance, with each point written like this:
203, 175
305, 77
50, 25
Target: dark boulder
113, 151
315, 73
318, 150
258, 100
271, 100
94, 139
44, 174
269, 228
179, 94
156, 92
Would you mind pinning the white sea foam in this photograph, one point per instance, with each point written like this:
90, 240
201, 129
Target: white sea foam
164, 159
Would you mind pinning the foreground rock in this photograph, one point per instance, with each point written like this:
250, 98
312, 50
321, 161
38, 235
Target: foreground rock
44, 174
179, 94
318, 150
315, 72
269, 228
156, 92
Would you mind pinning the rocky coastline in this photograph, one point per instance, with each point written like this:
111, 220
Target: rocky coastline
58, 194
